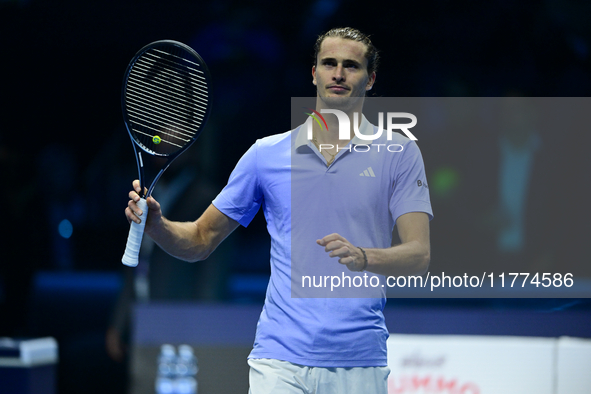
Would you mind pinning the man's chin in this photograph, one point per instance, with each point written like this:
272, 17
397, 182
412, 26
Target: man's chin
340, 102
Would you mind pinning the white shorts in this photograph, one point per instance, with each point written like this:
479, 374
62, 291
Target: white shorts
281, 377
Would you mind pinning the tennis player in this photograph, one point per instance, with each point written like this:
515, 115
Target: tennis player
320, 205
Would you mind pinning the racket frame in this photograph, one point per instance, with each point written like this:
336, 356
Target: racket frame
136, 144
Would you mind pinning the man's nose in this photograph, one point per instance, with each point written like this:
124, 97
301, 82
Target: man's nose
339, 75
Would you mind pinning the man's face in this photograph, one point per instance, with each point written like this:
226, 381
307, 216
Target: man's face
341, 71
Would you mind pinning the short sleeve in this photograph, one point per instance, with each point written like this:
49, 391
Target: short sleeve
242, 197
410, 191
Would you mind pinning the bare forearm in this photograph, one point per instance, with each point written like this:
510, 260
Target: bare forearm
411, 258
191, 241
180, 239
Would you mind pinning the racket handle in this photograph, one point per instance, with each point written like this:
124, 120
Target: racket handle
134, 239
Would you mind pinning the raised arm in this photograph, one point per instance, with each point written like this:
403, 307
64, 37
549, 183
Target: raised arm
189, 241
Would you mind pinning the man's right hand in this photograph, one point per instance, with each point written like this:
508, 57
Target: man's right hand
189, 241
134, 213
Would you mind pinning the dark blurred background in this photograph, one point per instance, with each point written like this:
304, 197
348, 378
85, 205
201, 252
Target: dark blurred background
67, 162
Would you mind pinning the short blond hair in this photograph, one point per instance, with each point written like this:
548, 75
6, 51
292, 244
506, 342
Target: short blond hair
349, 33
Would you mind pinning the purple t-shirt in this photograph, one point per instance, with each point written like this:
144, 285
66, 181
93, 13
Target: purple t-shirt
360, 196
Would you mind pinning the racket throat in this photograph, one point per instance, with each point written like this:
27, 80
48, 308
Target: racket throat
140, 167
155, 181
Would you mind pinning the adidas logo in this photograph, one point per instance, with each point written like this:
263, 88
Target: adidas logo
368, 172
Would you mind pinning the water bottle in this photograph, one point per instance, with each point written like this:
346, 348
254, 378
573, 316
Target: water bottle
166, 375
186, 371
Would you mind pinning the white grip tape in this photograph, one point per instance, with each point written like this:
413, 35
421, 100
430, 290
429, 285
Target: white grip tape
134, 239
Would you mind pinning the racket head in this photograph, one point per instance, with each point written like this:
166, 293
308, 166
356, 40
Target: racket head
166, 98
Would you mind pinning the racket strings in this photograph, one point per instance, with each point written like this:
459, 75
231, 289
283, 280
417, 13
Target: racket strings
168, 94
155, 96
178, 57
150, 112
174, 66
180, 73
181, 79
166, 101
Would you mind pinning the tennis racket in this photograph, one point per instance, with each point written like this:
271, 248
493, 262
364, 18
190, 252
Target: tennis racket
166, 101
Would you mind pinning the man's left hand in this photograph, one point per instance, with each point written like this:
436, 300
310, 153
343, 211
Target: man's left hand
347, 253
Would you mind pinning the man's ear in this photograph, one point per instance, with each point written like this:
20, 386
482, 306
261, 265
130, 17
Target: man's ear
314, 75
371, 81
